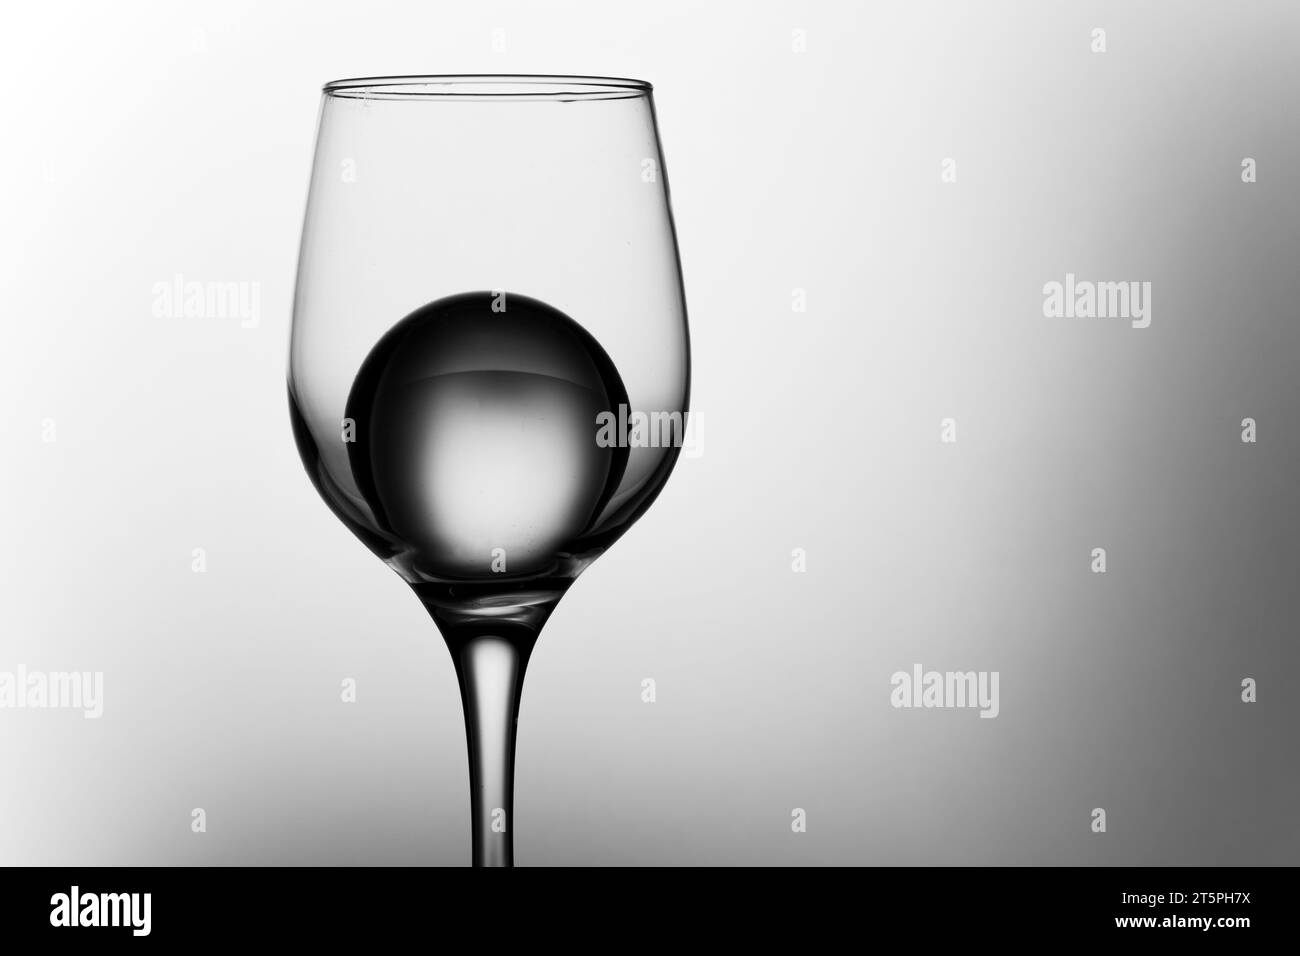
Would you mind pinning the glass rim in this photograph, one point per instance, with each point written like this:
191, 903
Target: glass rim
514, 86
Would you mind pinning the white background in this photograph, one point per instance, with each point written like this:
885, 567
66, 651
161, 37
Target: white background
139, 140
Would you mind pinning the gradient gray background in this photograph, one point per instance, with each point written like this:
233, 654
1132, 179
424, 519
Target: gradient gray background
138, 141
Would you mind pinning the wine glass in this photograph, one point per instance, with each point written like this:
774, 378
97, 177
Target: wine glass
489, 364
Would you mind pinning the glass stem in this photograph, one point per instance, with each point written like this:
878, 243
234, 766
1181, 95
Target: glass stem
491, 673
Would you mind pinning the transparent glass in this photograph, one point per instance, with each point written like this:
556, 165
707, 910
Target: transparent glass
489, 366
